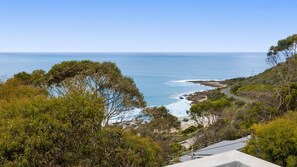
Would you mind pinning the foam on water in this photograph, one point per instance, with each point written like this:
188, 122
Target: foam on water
179, 108
188, 80
182, 105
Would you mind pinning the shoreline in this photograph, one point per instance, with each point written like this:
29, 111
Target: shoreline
211, 83
202, 96
198, 96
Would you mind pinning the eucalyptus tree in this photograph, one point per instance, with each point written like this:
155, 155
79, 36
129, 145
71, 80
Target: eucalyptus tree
105, 80
284, 50
160, 120
65, 131
208, 112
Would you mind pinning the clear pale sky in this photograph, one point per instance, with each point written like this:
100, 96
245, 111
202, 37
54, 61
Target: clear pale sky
144, 25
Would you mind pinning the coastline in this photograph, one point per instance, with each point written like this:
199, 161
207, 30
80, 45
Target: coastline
202, 96
184, 102
211, 83
198, 96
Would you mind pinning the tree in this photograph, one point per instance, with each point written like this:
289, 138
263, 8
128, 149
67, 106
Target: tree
158, 126
160, 120
284, 50
24, 77
36, 78
117, 147
38, 131
276, 141
285, 47
14, 89
210, 110
119, 92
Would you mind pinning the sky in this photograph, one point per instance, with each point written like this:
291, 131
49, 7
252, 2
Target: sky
144, 25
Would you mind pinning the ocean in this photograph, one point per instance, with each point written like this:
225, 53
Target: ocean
161, 77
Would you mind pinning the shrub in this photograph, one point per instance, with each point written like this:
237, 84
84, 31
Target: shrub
276, 141
189, 130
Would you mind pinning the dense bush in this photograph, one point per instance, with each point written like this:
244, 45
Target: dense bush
14, 89
256, 87
235, 87
66, 130
276, 141
45, 132
215, 95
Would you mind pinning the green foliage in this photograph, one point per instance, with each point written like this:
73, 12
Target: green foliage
211, 110
254, 113
24, 77
119, 92
36, 78
286, 47
175, 148
276, 141
235, 87
239, 103
46, 132
220, 104
205, 106
189, 130
115, 147
274, 92
215, 95
160, 119
256, 87
234, 81
158, 128
66, 129
291, 161
290, 97
14, 89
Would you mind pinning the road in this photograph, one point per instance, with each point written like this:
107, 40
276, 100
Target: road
228, 93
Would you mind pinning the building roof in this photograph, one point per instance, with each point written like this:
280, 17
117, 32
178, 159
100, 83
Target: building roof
226, 159
223, 146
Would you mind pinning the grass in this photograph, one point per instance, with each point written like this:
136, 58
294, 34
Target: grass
256, 87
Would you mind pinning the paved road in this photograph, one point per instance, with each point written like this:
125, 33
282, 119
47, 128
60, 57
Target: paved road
228, 93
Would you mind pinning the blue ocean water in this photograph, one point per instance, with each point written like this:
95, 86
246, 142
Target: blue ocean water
159, 76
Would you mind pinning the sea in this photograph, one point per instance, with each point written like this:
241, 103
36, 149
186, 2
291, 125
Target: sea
161, 77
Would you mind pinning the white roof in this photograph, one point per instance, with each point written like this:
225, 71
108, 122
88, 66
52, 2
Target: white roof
226, 159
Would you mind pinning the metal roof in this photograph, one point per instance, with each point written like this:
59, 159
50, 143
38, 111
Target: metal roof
226, 159
223, 146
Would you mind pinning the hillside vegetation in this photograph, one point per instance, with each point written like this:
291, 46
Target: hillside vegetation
269, 117
62, 118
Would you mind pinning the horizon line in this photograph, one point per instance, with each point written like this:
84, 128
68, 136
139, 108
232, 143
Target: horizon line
133, 52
